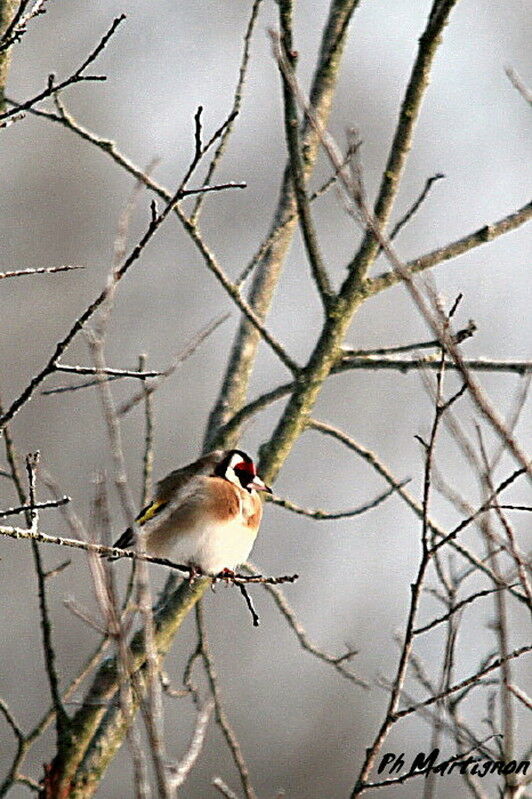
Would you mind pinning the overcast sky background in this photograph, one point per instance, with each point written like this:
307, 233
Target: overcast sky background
301, 726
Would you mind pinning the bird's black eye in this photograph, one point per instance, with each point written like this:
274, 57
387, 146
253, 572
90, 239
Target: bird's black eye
244, 475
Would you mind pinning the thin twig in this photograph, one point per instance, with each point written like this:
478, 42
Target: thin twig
140, 374
459, 336
40, 270
53, 503
415, 206
235, 294
292, 134
178, 773
450, 251
521, 695
412, 364
473, 681
147, 455
250, 606
81, 321
115, 554
455, 608
337, 661
10, 719
385, 472
224, 789
237, 103
62, 718
183, 355
321, 515
220, 713
276, 231
76, 77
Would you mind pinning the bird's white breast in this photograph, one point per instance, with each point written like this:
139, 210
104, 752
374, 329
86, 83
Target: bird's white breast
213, 546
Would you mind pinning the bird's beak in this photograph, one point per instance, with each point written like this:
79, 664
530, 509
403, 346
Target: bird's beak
258, 485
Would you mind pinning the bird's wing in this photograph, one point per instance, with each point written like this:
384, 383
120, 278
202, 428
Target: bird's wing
210, 500
173, 484
168, 490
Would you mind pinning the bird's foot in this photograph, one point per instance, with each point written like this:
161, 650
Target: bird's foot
194, 573
225, 575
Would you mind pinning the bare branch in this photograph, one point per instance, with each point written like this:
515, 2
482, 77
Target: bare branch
183, 355
414, 208
224, 789
40, 270
76, 76
455, 608
180, 771
235, 294
81, 321
521, 695
297, 169
237, 103
114, 553
412, 364
62, 719
220, 713
460, 335
518, 84
10, 719
147, 457
337, 661
481, 236
107, 370
53, 503
327, 515
234, 388
383, 470
473, 681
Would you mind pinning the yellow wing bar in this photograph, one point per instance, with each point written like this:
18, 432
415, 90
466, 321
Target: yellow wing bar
150, 511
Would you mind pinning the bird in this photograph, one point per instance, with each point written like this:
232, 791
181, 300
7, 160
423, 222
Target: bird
205, 515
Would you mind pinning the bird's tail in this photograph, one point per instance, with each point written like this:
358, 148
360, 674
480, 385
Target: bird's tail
126, 541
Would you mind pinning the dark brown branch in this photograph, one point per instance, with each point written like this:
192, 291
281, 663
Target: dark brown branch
472, 681
459, 336
322, 515
92, 370
455, 608
52, 503
297, 169
415, 206
80, 322
76, 76
116, 554
62, 718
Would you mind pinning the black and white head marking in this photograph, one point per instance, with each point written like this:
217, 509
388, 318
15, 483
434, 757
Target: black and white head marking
239, 469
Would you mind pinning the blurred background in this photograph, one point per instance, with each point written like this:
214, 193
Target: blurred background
302, 727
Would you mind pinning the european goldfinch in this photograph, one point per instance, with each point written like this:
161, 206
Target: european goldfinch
205, 515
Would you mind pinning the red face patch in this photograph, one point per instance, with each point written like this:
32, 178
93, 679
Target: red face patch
244, 466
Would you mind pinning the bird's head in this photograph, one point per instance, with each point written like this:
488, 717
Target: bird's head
237, 467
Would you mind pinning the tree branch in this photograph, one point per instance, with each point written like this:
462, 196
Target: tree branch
481, 236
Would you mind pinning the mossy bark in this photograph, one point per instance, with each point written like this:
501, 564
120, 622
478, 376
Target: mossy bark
8, 9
